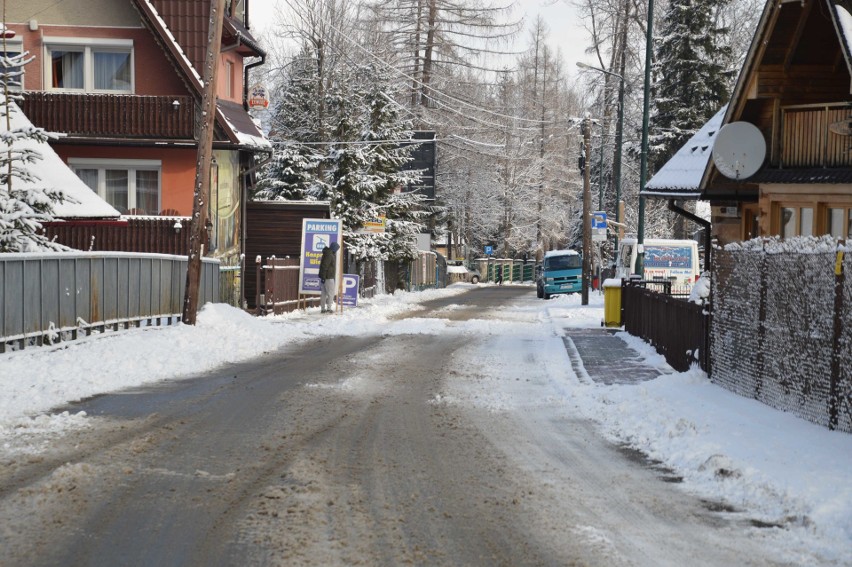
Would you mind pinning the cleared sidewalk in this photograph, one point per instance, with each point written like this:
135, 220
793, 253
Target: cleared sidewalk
602, 357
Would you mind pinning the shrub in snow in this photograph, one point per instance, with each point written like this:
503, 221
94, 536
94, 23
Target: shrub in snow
777, 245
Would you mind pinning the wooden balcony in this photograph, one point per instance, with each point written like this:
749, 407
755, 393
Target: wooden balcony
806, 139
88, 115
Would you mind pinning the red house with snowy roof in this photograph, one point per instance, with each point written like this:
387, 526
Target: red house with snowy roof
121, 82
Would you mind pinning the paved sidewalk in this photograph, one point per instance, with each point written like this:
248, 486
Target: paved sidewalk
606, 358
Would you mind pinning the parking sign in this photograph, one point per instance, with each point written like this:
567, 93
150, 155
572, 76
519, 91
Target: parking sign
599, 226
317, 234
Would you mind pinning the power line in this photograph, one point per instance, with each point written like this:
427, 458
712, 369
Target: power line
432, 89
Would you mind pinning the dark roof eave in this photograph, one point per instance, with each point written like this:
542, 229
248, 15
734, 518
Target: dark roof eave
244, 37
675, 193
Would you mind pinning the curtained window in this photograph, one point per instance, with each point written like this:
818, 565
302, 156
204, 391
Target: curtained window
90, 65
131, 186
112, 71
67, 69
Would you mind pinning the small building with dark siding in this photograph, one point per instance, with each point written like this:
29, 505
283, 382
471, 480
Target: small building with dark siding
274, 228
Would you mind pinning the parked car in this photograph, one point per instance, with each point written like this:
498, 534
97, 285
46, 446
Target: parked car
458, 272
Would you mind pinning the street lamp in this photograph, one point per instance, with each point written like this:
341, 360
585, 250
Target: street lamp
646, 112
619, 134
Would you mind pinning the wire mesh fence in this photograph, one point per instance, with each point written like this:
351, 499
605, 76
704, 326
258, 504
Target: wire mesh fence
782, 331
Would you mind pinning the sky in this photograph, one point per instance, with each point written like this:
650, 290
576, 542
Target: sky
779, 468
566, 30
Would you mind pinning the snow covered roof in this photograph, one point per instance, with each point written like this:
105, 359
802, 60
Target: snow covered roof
53, 172
242, 125
232, 117
550, 253
681, 176
843, 22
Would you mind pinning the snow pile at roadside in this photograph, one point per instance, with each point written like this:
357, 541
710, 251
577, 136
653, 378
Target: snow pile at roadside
780, 469
38, 379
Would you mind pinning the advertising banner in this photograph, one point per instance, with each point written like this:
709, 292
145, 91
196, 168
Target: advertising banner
316, 235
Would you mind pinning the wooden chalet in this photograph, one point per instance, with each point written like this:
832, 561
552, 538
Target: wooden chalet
795, 88
121, 82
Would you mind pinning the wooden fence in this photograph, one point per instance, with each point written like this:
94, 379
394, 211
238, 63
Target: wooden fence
156, 235
278, 287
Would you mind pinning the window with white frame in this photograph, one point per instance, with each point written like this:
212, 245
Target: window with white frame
89, 65
229, 79
131, 186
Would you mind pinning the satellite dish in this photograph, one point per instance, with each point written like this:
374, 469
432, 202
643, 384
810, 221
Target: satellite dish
739, 150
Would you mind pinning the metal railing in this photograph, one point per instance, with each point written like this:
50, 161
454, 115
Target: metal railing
52, 297
677, 329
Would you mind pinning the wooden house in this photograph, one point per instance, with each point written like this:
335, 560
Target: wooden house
795, 88
121, 82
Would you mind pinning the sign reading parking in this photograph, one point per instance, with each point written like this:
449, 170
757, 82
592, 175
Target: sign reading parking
317, 234
350, 290
489, 250
599, 226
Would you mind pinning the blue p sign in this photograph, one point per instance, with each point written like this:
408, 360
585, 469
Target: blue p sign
350, 290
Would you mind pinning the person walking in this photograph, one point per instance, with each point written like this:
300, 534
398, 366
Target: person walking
328, 275
498, 274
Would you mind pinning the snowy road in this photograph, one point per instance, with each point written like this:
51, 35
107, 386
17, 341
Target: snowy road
444, 439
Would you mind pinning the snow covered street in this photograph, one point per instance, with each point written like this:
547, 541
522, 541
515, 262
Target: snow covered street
776, 489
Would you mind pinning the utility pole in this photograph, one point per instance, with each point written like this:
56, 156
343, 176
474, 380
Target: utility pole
202, 168
587, 208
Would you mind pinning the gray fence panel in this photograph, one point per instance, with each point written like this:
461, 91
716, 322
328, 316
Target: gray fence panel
83, 275
110, 290
13, 313
65, 291
49, 269
32, 297
67, 295
145, 287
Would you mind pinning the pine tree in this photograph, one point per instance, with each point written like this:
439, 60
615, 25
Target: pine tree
339, 138
368, 176
299, 133
691, 75
24, 204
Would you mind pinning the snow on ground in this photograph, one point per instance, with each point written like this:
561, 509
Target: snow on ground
779, 468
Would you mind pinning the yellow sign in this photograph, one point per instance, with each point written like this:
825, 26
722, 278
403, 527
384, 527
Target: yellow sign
375, 226
838, 265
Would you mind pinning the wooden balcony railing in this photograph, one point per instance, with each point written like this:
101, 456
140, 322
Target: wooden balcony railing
807, 140
111, 116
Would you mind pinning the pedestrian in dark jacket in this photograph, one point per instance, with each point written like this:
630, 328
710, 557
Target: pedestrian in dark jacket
328, 275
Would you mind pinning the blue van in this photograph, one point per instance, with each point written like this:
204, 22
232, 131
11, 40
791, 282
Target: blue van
561, 272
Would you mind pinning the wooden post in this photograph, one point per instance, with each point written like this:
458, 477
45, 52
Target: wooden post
587, 210
834, 386
202, 169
